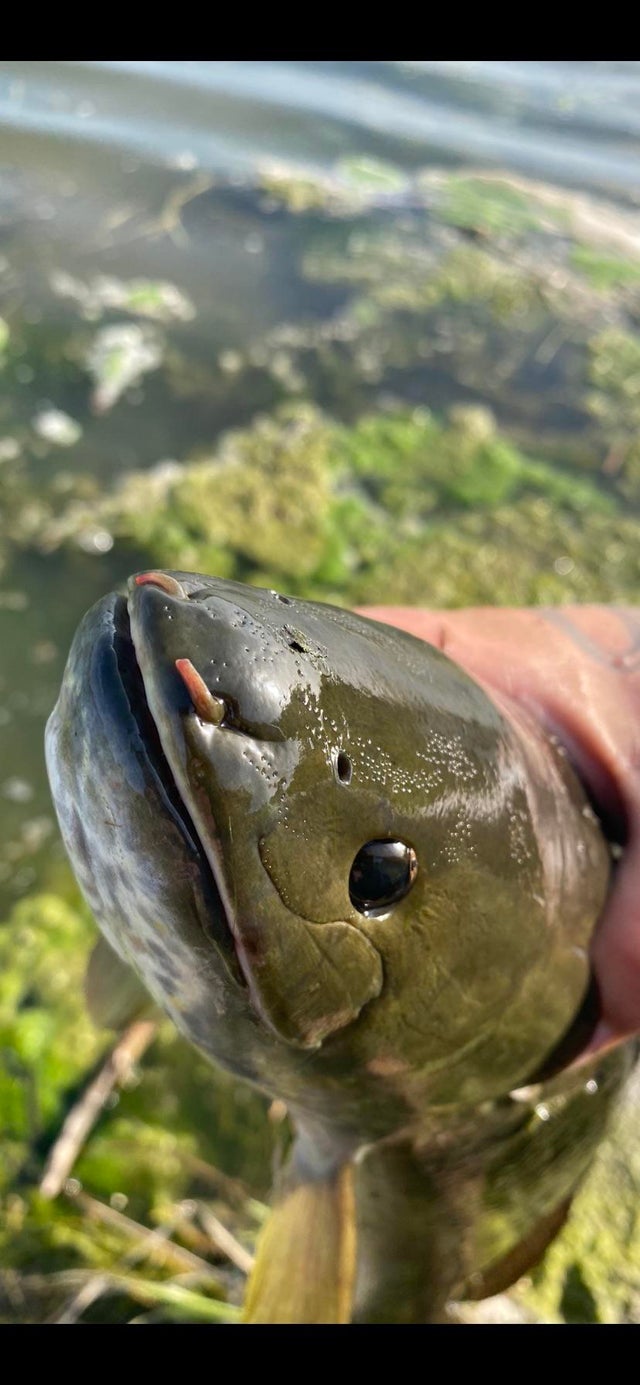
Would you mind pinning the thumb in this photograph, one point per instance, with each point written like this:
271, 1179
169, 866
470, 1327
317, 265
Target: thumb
615, 950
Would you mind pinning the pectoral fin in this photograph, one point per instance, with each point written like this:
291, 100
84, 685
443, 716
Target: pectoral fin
113, 993
306, 1258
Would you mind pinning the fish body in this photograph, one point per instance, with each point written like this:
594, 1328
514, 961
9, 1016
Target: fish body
355, 881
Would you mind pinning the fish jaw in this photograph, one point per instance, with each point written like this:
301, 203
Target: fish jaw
133, 848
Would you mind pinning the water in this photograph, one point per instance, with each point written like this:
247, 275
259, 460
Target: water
576, 122
160, 171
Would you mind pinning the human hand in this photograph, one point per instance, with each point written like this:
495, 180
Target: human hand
577, 670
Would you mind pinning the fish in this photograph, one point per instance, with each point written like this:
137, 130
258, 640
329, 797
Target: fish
360, 883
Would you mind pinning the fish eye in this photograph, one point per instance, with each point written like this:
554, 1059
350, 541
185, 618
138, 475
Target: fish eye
381, 875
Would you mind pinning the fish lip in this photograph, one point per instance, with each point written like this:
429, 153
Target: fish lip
166, 583
133, 686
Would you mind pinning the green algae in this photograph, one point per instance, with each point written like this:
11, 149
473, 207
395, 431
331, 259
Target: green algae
514, 555
415, 464
614, 400
605, 272
300, 193
44, 1024
374, 175
118, 357
148, 298
351, 187
493, 208
401, 506
614, 370
141, 1153
494, 298
400, 270
265, 497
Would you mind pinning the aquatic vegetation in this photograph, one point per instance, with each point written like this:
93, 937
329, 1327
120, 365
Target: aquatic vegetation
22, 507
400, 504
401, 271
526, 554
490, 298
604, 271
353, 185
300, 192
372, 175
117, 359
508, 204
266, 496
160, 301
415, 465
48, 1040
146, 1140
492, 207
614, 370
262, 501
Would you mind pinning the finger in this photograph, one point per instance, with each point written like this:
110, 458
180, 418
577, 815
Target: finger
432, 626
496, 645
615, 949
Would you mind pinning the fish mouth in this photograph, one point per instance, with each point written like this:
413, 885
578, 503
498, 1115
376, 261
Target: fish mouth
216, 924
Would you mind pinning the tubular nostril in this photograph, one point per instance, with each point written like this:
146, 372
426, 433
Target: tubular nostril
207, 707
167, 584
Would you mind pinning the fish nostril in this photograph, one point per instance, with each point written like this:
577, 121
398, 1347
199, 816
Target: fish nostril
344, 767
167, 584
206, 705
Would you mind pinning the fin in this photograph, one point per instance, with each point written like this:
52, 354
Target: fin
306, 1259
501, 1274
113, 993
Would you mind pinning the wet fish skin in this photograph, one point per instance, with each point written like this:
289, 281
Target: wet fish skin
216, 855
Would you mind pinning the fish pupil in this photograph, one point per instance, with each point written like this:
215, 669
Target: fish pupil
381, 875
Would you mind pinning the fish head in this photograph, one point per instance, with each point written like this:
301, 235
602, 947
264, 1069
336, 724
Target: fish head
327, 853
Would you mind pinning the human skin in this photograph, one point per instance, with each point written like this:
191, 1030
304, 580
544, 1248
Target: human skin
576, 669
